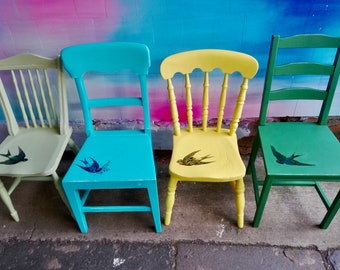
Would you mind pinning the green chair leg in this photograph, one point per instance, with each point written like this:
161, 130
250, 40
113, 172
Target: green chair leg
333, 209
262, 202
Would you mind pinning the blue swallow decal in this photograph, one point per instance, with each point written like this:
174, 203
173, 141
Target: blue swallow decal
281, 159
21, 157
93, 167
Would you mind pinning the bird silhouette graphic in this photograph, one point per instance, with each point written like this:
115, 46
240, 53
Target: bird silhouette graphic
93, 167
190, 160
21, 157
281, 159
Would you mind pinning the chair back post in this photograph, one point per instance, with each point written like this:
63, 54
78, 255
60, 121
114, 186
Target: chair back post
268, 79
12, 124
239, 107
145, 103
173, 108
332, 84
63, 104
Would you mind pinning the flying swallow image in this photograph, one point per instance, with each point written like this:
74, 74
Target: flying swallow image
288, 160
21, 157
190, 160
94, 167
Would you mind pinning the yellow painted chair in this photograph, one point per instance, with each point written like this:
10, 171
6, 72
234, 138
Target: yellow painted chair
34, 104
298, 153
206, 153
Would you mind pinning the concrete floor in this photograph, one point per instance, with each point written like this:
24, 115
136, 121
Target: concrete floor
203, 214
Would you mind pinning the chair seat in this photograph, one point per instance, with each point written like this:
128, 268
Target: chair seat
119, 162
225, 161
307, 142
43, 148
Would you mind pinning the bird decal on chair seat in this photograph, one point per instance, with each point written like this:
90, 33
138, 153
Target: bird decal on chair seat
21, 157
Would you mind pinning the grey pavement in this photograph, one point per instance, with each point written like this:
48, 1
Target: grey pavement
202, 234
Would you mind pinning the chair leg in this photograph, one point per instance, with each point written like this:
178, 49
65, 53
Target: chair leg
76, 205
251, 167
170, 200
262, 201
8, 202
153, 196
73, 146
240, 202
333, 209
253, 154
57, 184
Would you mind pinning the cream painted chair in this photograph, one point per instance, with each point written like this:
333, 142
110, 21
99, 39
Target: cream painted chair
33, 101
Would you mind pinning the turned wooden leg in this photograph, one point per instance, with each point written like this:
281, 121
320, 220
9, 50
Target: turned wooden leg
170, 199
240, 202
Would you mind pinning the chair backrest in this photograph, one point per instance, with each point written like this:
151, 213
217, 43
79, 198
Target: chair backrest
208, 60
32, 93
108, 57
287, 70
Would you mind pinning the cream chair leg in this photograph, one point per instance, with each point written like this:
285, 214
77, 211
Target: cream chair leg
170, 200
8, 202
240, 202
74, 148
57, 184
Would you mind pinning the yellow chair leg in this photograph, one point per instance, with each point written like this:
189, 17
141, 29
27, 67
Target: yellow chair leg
170, 200
240, 202
8, 202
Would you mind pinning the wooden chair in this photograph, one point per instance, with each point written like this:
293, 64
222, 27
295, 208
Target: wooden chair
33, 100
298, 153
203, 153
112, 158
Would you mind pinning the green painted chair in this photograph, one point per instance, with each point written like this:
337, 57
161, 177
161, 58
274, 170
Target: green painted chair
118, 157
298, 153
33, 100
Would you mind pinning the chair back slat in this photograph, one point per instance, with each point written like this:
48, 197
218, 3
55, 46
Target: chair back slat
205, 101
286, 70
207, 61
27, 100
20, 99
52, 106
35, 96
223, 99
189, 102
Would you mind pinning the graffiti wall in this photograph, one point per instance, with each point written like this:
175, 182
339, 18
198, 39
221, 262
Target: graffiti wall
166, 27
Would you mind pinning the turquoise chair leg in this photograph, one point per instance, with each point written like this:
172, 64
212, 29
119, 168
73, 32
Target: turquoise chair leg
76, 206
262, 201
153, 196
333, 209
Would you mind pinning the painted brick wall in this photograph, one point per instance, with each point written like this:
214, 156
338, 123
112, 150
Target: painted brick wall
165, 26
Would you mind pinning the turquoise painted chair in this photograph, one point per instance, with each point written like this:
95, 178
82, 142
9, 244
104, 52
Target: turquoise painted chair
298, 153
111, 159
